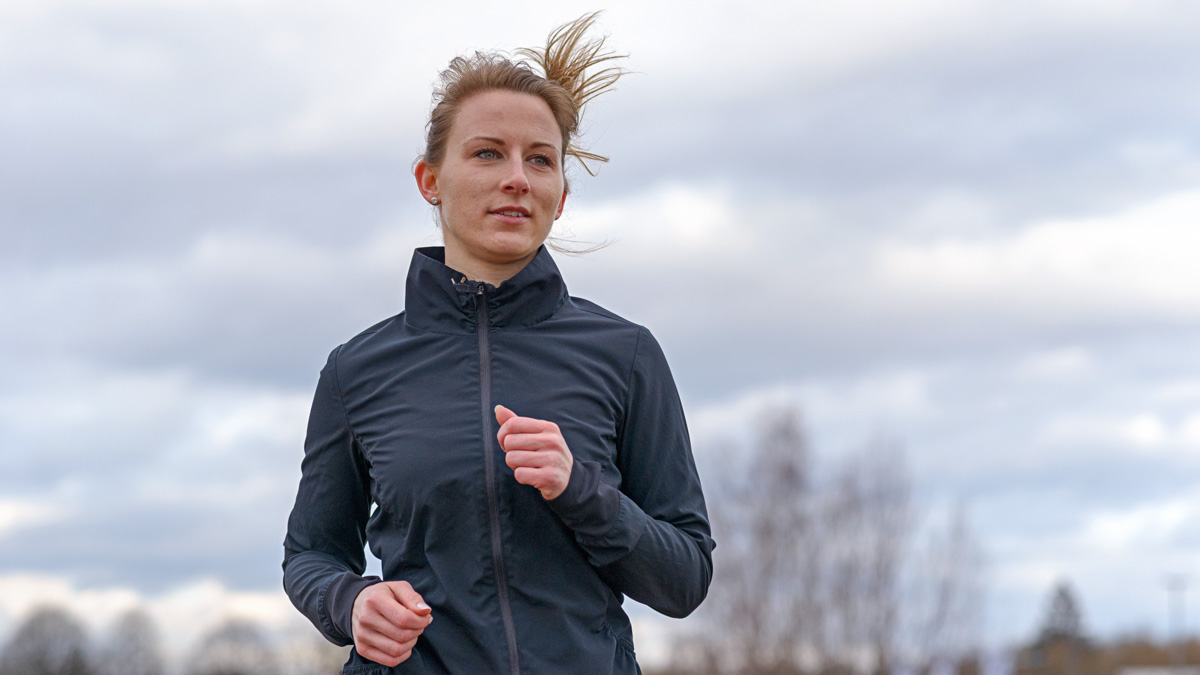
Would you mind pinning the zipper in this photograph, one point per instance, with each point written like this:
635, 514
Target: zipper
485, 401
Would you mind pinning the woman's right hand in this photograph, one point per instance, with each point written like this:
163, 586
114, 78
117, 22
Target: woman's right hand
388, 618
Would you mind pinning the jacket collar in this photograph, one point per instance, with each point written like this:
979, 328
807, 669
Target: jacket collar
437, 301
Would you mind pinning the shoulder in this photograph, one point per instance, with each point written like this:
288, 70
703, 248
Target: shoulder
366, 343
589, 307
610, 319
606, 323
639, 342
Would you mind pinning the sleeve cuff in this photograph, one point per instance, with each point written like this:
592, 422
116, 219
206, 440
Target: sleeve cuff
339, 602
589, 506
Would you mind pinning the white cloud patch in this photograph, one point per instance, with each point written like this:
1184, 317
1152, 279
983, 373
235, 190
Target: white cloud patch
1142, 432
1055, 364
869, 403
1136, 263
1145, 527
668, 225
16, 514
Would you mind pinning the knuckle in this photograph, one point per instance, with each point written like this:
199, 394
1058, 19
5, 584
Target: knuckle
380, 656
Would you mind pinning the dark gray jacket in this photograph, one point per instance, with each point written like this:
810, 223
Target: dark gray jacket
403, 419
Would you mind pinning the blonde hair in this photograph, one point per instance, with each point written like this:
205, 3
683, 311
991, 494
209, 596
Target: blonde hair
566, 83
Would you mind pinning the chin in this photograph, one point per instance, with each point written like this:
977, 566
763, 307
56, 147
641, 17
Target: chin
512, 250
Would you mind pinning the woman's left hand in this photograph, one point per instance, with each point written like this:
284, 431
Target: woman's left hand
536, 452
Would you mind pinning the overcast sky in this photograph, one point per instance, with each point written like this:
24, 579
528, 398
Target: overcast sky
965, 226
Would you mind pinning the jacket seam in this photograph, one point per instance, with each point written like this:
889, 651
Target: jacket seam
637, 347
323, 607
337, 383
610, 317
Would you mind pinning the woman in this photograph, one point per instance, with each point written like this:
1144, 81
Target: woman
525, 451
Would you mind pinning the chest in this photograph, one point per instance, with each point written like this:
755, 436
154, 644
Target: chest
423, 417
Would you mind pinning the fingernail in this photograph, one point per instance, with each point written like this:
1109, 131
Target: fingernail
421, 605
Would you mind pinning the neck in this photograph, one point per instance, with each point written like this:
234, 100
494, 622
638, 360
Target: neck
482, 270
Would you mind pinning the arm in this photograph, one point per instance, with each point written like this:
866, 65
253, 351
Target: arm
323, 552
651, 538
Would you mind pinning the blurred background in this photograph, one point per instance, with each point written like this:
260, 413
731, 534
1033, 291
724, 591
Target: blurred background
924, 272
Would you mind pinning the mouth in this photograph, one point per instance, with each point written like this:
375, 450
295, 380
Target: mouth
511, 212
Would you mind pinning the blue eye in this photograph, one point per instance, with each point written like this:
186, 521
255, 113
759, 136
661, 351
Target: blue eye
541, 160
487, 153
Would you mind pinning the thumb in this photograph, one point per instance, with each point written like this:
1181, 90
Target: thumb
408, 597
504, 414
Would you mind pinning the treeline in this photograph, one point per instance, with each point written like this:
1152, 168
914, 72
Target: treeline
52, 641
831, 569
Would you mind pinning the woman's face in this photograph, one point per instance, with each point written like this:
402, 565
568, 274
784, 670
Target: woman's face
501, 185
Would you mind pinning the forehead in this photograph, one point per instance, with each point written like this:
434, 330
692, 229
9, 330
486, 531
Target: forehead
508, 115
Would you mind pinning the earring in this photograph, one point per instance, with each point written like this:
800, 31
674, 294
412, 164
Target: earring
434, 201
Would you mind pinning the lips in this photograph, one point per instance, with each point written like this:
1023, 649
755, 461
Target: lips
511, 212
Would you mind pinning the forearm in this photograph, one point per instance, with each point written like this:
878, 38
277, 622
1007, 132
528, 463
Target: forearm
665, 564
323, 588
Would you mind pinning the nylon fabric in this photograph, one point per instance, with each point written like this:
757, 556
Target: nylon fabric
395, 421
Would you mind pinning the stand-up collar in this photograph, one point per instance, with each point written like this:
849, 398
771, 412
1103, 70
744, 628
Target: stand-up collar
437, 299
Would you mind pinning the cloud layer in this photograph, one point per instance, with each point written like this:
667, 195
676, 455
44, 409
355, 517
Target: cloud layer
965, 226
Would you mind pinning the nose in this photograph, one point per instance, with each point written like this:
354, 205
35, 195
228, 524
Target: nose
516, 181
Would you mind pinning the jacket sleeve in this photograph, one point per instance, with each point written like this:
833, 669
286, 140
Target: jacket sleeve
651, 538
323, 551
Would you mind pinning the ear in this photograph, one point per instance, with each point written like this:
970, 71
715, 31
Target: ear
561, 203
426, 176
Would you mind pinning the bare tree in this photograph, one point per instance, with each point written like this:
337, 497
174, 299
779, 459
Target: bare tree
762, 591
49, 642
860, 541
819, 576
236, 647
885, 487
132, 647
946, 596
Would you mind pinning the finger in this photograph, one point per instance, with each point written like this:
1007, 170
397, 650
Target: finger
534, 442
528, 425
518, 459
389, 654
533, 477
388, 607
504, 414
389, 643
379, 657
408, 597
397, 626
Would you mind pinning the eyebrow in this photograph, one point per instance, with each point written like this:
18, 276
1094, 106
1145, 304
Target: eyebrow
497, 141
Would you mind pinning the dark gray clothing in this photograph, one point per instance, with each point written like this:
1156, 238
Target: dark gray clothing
402, 419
